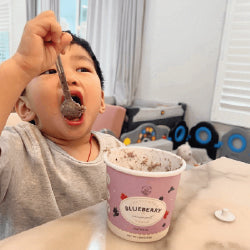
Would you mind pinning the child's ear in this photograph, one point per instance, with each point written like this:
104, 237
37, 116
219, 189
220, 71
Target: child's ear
102, 107
23, 109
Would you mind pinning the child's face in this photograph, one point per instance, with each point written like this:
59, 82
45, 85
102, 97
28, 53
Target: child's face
44, 95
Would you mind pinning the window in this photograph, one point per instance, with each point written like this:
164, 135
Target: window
231, 104
12, 21
13, 18
73, 16
83, 18
4, 30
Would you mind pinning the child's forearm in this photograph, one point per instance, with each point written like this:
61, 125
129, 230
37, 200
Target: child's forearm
13, 80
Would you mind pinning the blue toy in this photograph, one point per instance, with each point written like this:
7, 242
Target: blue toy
204, 135
179, 134
236, 145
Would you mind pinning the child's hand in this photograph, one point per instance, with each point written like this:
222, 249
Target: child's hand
41, 42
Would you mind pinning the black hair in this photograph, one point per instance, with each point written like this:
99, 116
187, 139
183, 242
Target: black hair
84, 44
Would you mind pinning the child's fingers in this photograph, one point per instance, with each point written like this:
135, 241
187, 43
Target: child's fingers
42, 39
66, 38
47, 38
46, 26
56, 32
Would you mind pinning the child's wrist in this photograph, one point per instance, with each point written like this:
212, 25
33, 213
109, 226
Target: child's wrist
23, 69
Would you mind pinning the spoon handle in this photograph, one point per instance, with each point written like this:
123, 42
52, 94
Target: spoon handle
62, 78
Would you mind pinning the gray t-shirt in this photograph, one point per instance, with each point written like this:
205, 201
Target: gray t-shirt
40, 182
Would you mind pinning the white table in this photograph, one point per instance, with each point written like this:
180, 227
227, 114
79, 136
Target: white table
223, 183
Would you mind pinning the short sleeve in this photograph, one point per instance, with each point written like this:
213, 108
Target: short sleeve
9, 142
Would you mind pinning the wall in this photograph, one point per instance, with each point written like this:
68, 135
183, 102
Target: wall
180, 52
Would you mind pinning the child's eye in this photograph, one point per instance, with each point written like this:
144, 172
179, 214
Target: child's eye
50, 71
82, 70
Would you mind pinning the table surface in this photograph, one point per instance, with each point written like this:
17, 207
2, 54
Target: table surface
223, 183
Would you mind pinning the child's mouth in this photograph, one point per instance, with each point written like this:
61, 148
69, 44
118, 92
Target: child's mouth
76, 99
73, 116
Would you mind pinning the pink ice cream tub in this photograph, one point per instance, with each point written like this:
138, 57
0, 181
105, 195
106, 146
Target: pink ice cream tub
141, 191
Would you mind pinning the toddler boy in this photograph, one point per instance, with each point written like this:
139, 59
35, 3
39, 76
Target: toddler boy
54, 166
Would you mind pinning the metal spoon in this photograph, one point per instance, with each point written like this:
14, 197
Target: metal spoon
69, 108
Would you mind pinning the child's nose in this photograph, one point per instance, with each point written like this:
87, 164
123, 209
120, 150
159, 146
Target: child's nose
71, 79
71, 82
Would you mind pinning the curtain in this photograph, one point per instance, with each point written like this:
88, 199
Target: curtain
114, 30
51, 5
31, 9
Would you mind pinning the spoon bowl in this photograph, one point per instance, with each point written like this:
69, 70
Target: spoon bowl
69, 108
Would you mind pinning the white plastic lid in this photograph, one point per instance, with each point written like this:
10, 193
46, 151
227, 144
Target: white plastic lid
224, 215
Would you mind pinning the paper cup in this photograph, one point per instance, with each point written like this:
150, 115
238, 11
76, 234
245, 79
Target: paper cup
141, 190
